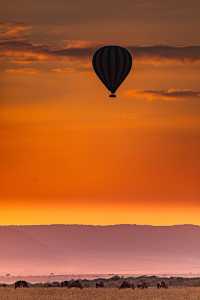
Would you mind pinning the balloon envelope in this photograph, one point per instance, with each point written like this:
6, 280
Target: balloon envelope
112, 64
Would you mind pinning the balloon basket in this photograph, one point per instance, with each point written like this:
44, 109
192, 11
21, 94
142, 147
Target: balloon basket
112, 96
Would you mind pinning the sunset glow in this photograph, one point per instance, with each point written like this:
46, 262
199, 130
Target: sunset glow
69, 154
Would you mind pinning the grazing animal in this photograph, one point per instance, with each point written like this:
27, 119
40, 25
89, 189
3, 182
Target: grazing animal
163, 285
126, 285
64, 283
21, 284
99, 284
142, 285
133, 286
75, 283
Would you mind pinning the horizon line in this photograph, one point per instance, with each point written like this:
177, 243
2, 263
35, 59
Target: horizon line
101, 225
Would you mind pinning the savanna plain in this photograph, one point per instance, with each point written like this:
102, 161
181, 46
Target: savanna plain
99, 294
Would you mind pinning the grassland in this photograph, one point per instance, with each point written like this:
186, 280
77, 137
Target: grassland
99, 294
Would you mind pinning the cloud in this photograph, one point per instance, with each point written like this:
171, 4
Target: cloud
24, 52
9, 30
167, 95
145, 54
186, 54
81, 44
84, 67
22, 71
34, 52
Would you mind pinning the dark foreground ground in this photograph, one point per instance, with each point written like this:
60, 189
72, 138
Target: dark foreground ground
99, 294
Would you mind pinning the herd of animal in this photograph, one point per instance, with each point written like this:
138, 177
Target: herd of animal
100, 284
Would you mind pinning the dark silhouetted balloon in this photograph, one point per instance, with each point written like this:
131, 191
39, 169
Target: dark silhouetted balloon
112, 65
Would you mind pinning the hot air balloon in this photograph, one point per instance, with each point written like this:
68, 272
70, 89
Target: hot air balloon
112, 64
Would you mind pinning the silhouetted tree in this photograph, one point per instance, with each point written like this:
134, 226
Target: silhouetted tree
76, 284
21, 284
126, 285
142, 285
163, 284
99, 284
65, 283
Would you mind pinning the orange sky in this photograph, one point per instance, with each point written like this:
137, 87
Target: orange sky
71, 155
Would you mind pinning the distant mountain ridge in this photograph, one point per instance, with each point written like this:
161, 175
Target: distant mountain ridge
84, 249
